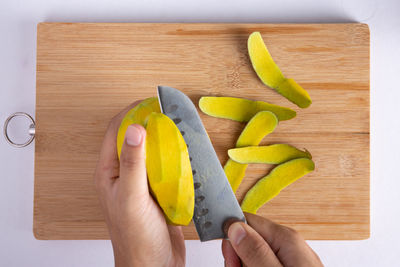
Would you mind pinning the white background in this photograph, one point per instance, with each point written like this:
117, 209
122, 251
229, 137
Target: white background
18, 21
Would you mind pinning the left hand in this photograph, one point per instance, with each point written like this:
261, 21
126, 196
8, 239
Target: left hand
139, 233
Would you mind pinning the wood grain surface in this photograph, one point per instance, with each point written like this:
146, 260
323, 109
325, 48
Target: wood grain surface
87, 73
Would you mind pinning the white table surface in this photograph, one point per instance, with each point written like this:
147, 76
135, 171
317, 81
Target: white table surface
18, 21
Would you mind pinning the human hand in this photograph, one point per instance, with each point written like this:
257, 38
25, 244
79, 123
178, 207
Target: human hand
262, 242
138, 230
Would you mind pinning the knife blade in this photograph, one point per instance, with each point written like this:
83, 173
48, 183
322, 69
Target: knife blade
215, 201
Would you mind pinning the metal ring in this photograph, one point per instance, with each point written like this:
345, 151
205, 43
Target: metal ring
31, 130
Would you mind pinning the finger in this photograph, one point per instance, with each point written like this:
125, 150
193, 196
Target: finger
108, 155
133, 161
276, 235
230, 256
108, 164
287, 244
250, 246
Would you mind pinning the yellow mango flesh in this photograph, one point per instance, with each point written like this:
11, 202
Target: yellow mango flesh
271, 75
294, 92
272, 154
235, 172
168, 169
262, 61
262, 124
269, 186
138, 115
240, 109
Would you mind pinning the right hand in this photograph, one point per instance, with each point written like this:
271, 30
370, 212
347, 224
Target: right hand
262, 242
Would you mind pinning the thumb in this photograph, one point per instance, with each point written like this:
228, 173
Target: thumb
250, 246
133, 160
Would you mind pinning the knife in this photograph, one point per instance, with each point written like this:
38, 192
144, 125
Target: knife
215, 202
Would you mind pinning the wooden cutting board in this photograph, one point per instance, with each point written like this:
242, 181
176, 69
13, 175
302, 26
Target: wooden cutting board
87, 73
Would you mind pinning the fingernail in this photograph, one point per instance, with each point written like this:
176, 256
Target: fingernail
236, 233
133, 136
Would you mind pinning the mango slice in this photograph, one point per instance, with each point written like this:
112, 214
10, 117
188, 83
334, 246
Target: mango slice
168, 169
271, 75
262, 124
272, 154
235, 172
139, 115
269, 186
240, 109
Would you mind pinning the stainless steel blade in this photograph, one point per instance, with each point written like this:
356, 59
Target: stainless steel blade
215, 201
